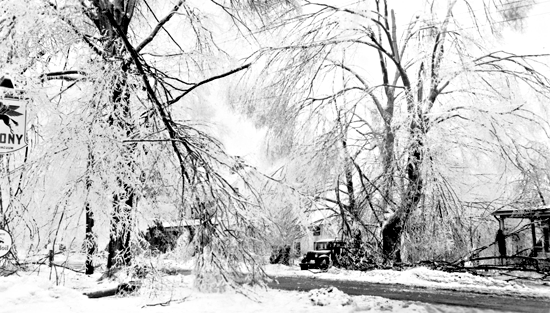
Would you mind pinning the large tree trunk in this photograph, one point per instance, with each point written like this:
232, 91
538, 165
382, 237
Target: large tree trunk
387, 169
350, 189
119, 252
123, 202
393, 228
106, 14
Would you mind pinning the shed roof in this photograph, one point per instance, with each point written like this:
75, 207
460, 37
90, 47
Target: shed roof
536, 213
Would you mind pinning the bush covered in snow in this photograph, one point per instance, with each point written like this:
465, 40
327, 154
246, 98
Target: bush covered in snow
329, 296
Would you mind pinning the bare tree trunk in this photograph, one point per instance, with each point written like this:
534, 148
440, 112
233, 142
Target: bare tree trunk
348, 168
89, 242
123, 202
119, 252
387, 169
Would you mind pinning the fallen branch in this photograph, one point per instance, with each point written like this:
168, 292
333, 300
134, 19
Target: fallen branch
167, 303
526, 265
121, 289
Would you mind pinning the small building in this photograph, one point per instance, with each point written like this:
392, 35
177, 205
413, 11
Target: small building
163, 236
536, 222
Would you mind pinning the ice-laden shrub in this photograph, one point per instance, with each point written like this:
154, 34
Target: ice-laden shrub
218, 269
358, 260
358, 255
229, 249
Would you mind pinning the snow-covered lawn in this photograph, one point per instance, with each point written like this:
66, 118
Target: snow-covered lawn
45, 291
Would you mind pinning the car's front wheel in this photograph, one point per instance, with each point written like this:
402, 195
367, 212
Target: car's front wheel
324, 264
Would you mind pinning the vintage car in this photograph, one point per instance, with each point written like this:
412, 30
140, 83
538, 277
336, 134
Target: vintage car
325, 254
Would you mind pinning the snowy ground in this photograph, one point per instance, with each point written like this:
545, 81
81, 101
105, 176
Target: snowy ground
43, 290
34, 294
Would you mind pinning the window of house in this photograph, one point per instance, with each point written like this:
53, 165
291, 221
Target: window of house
316, 230
297, 248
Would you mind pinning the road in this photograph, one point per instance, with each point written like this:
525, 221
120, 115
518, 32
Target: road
406, 293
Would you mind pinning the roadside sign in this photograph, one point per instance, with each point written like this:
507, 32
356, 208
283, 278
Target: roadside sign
13, 120
5, 242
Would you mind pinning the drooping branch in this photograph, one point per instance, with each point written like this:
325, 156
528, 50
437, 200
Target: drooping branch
208, 80
151, 94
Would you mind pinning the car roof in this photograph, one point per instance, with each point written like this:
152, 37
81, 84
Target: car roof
329, 240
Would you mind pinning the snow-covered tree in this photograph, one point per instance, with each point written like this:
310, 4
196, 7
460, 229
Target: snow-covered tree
392, 116
111, 133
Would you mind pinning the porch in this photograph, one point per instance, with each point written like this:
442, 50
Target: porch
537, 224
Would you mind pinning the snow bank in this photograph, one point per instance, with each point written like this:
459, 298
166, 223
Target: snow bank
329, 296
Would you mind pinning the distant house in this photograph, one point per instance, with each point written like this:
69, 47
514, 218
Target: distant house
322, 228
163, 227
163, 236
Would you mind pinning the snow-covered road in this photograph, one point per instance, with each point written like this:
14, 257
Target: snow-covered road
458, 299
425, 278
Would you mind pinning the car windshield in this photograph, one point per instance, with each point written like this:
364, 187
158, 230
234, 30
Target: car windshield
321, 245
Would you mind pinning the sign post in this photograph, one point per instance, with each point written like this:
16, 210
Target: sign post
13, 137
6, 243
